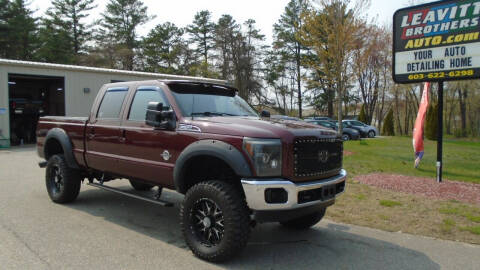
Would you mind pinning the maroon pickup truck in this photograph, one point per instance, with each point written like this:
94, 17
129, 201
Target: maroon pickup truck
234, 167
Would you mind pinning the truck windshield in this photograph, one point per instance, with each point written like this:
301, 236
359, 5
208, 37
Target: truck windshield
212, 105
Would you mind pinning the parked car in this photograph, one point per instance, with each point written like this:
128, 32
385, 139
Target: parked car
204, 141
347, 133
285, 117
319, 118
364, 129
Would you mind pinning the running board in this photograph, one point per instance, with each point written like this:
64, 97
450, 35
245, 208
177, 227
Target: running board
159, 202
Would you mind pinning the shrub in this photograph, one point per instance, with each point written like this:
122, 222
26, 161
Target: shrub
388, 124
431, 123
362, 117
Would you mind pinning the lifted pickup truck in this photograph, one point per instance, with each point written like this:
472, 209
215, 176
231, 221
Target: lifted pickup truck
204, 141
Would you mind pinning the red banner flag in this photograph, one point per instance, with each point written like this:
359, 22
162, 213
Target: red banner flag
419, 124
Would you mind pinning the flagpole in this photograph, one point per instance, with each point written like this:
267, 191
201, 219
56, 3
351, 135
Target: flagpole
440, 132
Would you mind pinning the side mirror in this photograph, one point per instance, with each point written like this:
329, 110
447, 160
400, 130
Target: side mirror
160, 117
265, 114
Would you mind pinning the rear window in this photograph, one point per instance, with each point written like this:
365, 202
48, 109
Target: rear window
112, 103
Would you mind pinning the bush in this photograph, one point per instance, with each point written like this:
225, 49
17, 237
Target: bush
388, 124
362, 117
431, 122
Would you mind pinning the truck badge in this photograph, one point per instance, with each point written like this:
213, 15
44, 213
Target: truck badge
166, 155
323, 156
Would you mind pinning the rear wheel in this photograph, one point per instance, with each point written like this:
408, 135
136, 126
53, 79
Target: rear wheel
345, 137
63, 183
305, 222
137, 185
215, 220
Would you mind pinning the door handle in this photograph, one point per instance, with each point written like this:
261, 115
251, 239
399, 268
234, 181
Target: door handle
91, 134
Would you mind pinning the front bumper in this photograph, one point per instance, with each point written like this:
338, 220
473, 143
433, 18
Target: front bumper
255, 192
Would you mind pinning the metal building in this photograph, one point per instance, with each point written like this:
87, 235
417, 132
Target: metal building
29, 90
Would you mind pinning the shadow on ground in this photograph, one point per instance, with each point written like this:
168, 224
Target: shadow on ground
271, 246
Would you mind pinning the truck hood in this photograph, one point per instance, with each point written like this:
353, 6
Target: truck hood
258, 127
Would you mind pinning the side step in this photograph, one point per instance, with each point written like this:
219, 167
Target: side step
159, 202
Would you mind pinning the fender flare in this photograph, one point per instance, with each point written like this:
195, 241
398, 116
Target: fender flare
61, 136
221, 150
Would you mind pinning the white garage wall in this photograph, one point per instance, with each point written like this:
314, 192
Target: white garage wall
77, 103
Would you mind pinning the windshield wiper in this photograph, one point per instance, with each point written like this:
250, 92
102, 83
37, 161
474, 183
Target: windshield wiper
212, 114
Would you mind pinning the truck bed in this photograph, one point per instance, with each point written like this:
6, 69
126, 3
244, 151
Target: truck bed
73, 126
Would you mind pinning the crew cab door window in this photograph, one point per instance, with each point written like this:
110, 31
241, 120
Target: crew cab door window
112, 103
143, 96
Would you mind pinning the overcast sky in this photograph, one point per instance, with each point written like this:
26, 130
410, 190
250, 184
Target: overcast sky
264, 12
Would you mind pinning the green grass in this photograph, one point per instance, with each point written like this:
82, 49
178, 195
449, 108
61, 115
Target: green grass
472, 229
389, 203
461, 210
395, 155
447, 225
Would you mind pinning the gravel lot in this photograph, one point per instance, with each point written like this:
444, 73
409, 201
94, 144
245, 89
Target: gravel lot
102, 230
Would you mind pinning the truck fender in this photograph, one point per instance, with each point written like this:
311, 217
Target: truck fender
224, 151
61, 136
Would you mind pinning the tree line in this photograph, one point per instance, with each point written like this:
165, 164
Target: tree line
327, 56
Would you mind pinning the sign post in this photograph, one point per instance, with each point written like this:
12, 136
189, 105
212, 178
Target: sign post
437, 42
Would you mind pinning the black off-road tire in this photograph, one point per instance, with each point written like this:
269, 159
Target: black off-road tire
305, 222
235, 214
62, 182
137, 185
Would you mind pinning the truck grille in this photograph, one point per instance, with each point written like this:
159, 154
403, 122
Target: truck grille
317, 157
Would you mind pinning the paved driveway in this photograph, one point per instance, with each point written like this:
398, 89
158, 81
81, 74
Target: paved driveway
102, 230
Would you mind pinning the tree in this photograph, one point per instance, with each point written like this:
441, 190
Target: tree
332, 33
120, 22
162, 48
362, 116
202, 35
18, 37
285, 39
63, 34
431, 123
56, 43
388, 124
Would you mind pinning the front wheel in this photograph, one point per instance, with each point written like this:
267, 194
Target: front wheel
215, 220
345, 137
305, 222
371, 134
63, 182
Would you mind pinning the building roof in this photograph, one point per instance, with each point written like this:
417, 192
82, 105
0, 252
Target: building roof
105, 70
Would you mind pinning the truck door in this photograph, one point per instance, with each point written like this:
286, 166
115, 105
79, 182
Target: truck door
146, 153
103, 135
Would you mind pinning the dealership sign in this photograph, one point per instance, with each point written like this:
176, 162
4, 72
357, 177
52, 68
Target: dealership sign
437, 42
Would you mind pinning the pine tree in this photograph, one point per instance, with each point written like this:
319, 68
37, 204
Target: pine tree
18, 38
119, 24
362, 117
388, 124
431, 123
162, 48
56, 44
202, 32
64, 25
286, 39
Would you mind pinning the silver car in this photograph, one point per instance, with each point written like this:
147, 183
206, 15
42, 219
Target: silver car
364, 129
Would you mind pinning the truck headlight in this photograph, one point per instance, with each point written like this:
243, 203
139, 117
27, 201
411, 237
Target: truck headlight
266, 155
